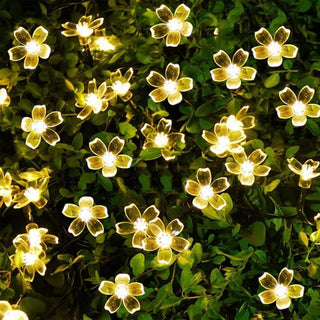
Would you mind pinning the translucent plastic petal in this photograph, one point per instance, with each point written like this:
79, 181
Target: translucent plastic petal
150, 244
268, 281
158, 95
275, 61
33, 140
222, 59
175, 98
299, 121
182, 12
246, 180
26, 124
295, 291
257, 156
312, 110
31, 61
287, 96
132, 212
107, 287
51, 137
192, 188
285, 112
179, 244
289, 51
164, 13
220, 185
17, 53
125, 228
285, 276
164, 255
267, 297
247, 73
174, 227
53, 119
99, 212
261, 171
260, 52
22, 35
70, 210
109, 171
185, 84
306, 94
95, 162
217, 202
281, 35
113, 304
150, 213
172, 71
219, 74
159, 30
186, 29
233, 167
76, 226
283, 303
135, 289
137, 239
173, 39
233, 84
263, 36
123, 161
40, 34
116, 145
240, 57
200, 203
204, 176
131, 304
95, 227
98, 147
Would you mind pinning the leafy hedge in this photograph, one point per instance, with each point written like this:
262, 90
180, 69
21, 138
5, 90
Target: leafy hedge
264, 227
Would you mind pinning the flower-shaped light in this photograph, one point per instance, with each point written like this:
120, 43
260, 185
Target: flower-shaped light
31, 48
274, 49
7, 189
109, 158
206, 191
161, 138
280, 291
232, 71
101, 42
240, 121
83, 29
86, 214
248, 167
4, 98
120, 86
121, 290
94, 100
39, 126
298, 108
169, 87
315, 236
33, 193
164, 239
138, 224
9, 313
306, 171
173, 26
224, 140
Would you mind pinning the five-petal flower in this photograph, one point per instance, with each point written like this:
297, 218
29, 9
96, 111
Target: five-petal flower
232, 71
9, 313
7, 189
39, 126
4, 98
121, 290
30, 48
138, 224
274, 49
280, 291
173, 26
86, 214
169, 87
109, 158
298, 108
248, 167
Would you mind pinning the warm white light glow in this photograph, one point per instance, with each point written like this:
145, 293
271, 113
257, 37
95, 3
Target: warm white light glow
4, 192
234, 124
281, 291
93, 101
164, 240
29, 258
206, 192
121, 291
170, 86
32, 47
84, 30
121, 88
299, 108
104, 45
140, 224
274, 48
216, 31
3, 95
34, 238
109, 159
14, 315
247, 168
307, 172
32, 194
174, 24
39, 126
233, 71
161, 139
85, 214
222, 144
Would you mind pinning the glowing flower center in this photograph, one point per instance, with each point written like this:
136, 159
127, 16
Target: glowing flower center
174, 24
222, 144
170, 86
233, 123
5, 191
206, 192
104, 44
299, 108
161, 139
140, 224
29, 258
13, 315
34, 237
121, 291
93, 101
247, 168
121, 88
281, 291
85, 214
32, 194
109, 159
84, 30
307, 172
3, 96
274, 48
233, 71
32, 47
39, 126
164, 239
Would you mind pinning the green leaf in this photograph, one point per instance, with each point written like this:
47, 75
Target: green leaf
170, 302
304, 5
204, 109
272, 80
32, 306
150, 154
255, 234
186, 259
144, 317
137, 264
197, 252
166, 181
127, 130
313, 127
292, 151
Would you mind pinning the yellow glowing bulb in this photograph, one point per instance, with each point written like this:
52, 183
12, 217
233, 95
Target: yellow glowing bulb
32, 47
29, 258
233, 71
274, 48
84, 30
161, 139
206, 192
85, 214
32, 194
121, 88
109, 159
307, 172
222, 144
170, 86
121, 291
164, 240
281, 291
140, 224
174, 24
299, 108
234, 124
14, 315
247, 168
104, 45
216, 31
5, 191
39, 126
93, 101
34, 238
3, 96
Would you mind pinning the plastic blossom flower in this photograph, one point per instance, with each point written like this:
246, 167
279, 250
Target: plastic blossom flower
174, 24
33, 193
102, 42
120, 86
315, 236
30, 48
121, 290
306, 171
164, 239
4, 98
232, 71
169, 87
206, 191
223, 140
39, 126
298, 108
83, 29
280, 291
86, 214
161, 138
94, 100
248, 167
7, 189
109, 158
9, 313
138, 224
274, 49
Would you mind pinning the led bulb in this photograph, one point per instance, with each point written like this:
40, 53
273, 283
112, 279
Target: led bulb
307, 172
39, 126
121, 291
109, 159
3, 96
14, 315
274, 48
103, 44
32, 194
164, 240
32, 47
94, 102
247, 168
174, 25
170, 86
234, 124
83, 30
34, 238
140, 224
222, 144
233, 71
206, 192
121, 88
29, 258
85, 214
299, 108
161, 139
281, 291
